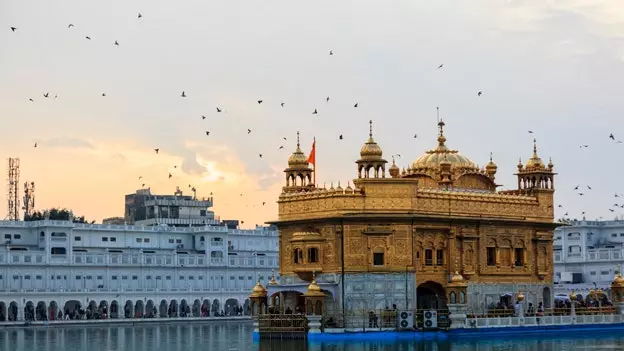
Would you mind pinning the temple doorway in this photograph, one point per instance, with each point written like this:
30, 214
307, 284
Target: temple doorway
431, 296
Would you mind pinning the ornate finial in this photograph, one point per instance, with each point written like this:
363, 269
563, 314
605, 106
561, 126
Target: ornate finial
534, 147
258, 278
370, 128
392, 159
297, 139
491, 157
314, 277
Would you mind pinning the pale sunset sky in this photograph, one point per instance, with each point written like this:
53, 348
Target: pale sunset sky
553, 67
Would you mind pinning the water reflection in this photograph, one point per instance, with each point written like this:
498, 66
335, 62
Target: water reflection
231, 336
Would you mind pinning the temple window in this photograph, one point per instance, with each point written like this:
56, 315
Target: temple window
452, 297
378, 259
298, 256
519, 257
312, 255
439, 257
491, 256
428, 257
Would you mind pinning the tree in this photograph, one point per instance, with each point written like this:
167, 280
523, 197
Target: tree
57, 214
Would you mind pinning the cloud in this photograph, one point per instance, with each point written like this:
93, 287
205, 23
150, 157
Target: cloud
67, 142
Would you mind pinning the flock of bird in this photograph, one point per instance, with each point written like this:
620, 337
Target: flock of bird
314, 111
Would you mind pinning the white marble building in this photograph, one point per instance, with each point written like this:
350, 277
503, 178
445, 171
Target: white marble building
128, 271
593, 250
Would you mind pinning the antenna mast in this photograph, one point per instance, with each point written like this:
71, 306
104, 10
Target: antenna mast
29, 199
13, 205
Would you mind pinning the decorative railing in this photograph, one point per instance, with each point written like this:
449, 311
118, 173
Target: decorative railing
283, 324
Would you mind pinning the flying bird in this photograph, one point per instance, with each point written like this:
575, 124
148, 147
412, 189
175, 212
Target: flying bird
218, 109
157, 151
584, 146
263, 203
139, 15
315, 112
612, 136
440, 66
70, 25
13, 29
340, 137
259, 102
260, 155
415, 136
143, 185
281, 147
88, 37
479, 93
284, 138
589, 187
46, 95
116, 43
530, 132
576, 187
35, 144
203, 117
103, 94
207, 133
31, 100
170, 176
331, 52
282, 104
356, 104
248, 131
581, 194
183, 94
327, 99
140, 177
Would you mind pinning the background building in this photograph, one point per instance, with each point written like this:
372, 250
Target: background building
586, 255
145, 208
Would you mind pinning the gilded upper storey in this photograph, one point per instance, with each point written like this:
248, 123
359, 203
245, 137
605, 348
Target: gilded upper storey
441, 182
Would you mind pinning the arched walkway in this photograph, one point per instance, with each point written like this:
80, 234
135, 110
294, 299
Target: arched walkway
205, 308
53, 312
114, 309
231, 307
103, 310
12, 311
184, 308
216, 307
128, 309
72, 309
92, 310
173, 308
150, 309
138, 309
431, 295
29, 311
3, 312
196, 308
41, 311
163, 308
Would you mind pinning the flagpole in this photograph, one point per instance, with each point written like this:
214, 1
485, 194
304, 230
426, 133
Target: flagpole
314, 143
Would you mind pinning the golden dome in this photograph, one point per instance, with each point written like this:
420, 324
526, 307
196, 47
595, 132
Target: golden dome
491, 165
618, 281
313, 288
432, 159
535, 161
572, 295
258, 290
371, 150
457, 278
520, 297
394, 169
273, 281
298, 159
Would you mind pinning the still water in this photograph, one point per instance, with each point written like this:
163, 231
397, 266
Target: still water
230, 336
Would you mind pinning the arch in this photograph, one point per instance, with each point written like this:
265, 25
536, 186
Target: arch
72, 309
247, 307
3, 312
29, 311
114, 309
173, 308
150, 309
462, 297
103, 309
128, 308
184, 308
546, 297
216, 307
92, 310
205, 308
41, 311
163, 308
12, 311
231, 307
452, 297
139, 310
431, 295
196, 308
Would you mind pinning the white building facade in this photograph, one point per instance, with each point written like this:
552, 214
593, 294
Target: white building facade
588, 252
125, 271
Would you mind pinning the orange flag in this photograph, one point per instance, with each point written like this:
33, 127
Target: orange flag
312, 157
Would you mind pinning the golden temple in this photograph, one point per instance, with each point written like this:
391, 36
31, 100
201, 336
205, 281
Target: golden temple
416, 237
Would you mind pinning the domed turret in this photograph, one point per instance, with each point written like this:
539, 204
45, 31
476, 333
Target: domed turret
298, 173
370, 158
535, 162
394, 169
491, 168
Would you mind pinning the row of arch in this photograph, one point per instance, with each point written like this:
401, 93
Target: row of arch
73, 309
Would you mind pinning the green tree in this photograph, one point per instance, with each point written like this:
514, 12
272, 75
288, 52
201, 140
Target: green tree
57, 214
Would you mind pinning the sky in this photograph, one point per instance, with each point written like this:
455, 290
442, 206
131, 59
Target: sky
553, 67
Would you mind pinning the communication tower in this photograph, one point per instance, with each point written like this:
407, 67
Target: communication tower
12, 195
29, 199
